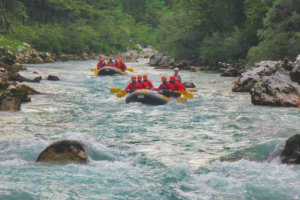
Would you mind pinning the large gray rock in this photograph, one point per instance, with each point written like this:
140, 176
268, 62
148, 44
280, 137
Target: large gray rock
249, 78
295, 74
64, 151
147, 52
156, 58
276, 90
291, 152
131, 56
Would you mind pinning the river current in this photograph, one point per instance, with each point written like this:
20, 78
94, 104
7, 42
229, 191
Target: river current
144, 152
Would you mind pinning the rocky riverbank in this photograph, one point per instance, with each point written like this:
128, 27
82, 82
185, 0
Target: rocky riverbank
12, 92
27, 55
272, 83
161, 60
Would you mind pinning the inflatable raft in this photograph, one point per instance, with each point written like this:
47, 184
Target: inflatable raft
150, 97
107, 71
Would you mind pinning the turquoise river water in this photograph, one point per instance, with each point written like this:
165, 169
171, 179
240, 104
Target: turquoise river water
144, 152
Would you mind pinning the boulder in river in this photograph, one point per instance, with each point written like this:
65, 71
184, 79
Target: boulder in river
64, 151
189, 85
52, 78
276, 90
249, 78
10, 104
291, 152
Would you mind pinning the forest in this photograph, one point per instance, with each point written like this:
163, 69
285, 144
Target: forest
206, 31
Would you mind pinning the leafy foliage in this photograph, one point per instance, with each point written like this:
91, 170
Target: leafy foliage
210, 31
77, 26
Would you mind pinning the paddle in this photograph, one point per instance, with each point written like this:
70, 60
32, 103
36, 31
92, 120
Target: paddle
186, 94
122, 94
130, 69
93, 69
192, 90
96, 72
115, 90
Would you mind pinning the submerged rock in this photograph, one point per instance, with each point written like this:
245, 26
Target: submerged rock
52, 78
291, 152
64, 151
189, 85
276, 90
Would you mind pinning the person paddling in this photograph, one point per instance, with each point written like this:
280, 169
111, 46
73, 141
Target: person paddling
134, 85
176, 70
122, 65
101, 64
117, 64
165, 85
140, 81
182, 87
148, 83
175, 84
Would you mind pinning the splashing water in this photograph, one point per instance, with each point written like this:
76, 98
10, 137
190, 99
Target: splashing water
144, 152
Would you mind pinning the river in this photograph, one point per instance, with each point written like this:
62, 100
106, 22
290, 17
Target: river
144, 152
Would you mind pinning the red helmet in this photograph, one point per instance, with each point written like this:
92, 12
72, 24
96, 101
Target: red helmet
116, 60
101, 60
139, 77
133, 78
145, 76
177, 80
172, 78
163, 78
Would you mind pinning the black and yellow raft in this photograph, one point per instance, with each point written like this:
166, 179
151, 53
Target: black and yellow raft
108, 71
151, 97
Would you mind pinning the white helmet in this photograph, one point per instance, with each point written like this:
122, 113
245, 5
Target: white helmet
176, 69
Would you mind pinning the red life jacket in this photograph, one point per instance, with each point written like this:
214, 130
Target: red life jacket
148, 84
134, 86
144, 85
177, 86
166, 86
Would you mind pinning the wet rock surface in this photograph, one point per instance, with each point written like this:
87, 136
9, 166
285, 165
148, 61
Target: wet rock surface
12, 93
276, 90
65, 151
271, 83
52, 78
291, 151
189, 85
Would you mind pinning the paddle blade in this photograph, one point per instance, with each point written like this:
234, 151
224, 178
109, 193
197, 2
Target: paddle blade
181, 100
192, 90
115, 90
122, 94
96, 72
93, 69
130, 69
186, 94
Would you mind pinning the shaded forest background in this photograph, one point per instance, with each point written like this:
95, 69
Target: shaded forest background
206, 31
